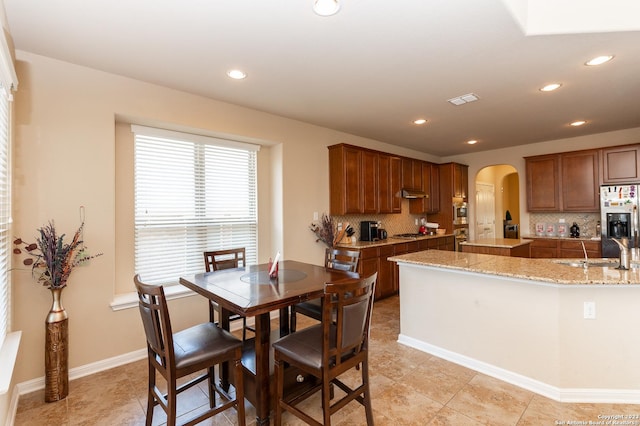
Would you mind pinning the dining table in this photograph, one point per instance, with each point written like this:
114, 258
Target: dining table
251, 292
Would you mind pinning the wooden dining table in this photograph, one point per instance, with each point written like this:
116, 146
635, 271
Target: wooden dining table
250, 292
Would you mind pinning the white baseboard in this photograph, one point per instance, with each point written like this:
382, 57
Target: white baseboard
611, 396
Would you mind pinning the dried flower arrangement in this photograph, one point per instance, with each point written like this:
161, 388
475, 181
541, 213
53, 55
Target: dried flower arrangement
325, 230
52, 260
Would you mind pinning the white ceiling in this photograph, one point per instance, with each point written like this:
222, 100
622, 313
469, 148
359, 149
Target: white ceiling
369, 70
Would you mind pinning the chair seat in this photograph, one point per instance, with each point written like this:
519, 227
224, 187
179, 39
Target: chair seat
305, 346
202, 343
311, 308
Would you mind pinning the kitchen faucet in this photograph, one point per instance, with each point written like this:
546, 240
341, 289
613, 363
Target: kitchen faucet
625, 253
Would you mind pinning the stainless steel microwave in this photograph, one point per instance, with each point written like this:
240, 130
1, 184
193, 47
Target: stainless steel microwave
460, 213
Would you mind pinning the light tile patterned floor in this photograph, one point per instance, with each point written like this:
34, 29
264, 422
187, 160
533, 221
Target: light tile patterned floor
408, 388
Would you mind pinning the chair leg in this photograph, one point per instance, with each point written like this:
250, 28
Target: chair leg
172, 411
279, 375
150, 394
326, 400
244, 329
367, 393
211, 381
239, 392
292, 320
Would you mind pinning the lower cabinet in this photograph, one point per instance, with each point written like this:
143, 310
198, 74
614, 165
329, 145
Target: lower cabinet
374, 259
558, 248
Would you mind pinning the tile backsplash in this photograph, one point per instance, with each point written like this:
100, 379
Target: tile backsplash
392, 223
586, 221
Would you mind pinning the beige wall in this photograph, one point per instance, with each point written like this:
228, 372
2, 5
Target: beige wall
65, 157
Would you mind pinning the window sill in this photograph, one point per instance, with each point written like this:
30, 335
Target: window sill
8, 355
130, 300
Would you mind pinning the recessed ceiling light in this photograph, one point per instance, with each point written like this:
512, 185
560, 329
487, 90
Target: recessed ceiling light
420, 121
326, 7
599, 60
472, 142
237, 74
550, 87
578, 123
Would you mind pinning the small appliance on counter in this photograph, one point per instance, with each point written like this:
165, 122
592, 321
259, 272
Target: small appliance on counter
382, 234
369, 230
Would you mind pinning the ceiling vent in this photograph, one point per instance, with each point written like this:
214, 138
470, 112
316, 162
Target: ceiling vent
464, 99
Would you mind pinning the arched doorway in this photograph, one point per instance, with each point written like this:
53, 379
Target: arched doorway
497, 192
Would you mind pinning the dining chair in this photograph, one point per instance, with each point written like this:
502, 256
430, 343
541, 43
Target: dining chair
226, 259
339, 259
326, 350
197, 349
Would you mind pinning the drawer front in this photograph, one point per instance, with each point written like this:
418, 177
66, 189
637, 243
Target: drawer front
544, 243
543, 252
368, 253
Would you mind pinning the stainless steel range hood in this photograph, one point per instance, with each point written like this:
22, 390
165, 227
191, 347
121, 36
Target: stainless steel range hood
413, 193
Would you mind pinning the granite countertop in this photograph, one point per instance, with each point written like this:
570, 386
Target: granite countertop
497, 242
556, 271
562, 238
388, 241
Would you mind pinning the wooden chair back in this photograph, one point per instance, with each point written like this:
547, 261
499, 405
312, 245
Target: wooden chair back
341, 259
224, 259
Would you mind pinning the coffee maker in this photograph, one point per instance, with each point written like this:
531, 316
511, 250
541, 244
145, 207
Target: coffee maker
369, 230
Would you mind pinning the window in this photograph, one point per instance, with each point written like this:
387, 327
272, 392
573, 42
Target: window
5, 213
192, 194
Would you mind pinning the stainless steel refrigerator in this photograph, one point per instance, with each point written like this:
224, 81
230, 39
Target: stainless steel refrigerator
618, 217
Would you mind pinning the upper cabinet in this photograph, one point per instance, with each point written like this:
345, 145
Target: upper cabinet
563, 182
460, 180
430, 185
620, 164
363, 181
543, 183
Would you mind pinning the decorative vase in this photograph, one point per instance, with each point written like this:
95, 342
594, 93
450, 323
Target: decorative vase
56, 350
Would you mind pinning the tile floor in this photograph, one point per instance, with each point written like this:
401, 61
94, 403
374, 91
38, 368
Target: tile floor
408, 388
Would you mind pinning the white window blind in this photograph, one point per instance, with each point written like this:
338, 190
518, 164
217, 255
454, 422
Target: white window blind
192, 193
5, 214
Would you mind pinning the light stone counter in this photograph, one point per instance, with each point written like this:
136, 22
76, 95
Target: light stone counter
497, 242
555, 271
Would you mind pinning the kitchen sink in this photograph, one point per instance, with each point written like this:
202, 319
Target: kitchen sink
596, 263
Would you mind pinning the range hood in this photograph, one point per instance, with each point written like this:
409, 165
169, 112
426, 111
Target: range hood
413, 193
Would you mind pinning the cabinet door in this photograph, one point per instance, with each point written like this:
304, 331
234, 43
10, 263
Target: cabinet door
396, 184
544, 248
369, 182
434, 195
580, 187
543, 189
345, 174
423, 205
411, 173
384, 184
460, 181
621, 164
389, 184
387, 284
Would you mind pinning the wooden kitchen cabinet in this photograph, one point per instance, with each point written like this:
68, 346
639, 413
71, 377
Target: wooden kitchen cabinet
562, 182
580, 183
620, 164
369, 181
573, 249
430, 186
363, 181
543, 183
564, 248
345, 176
460, 181
389, 183
387, 284
411, 173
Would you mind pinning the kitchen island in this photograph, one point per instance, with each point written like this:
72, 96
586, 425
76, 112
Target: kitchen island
514, 247
565, 332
